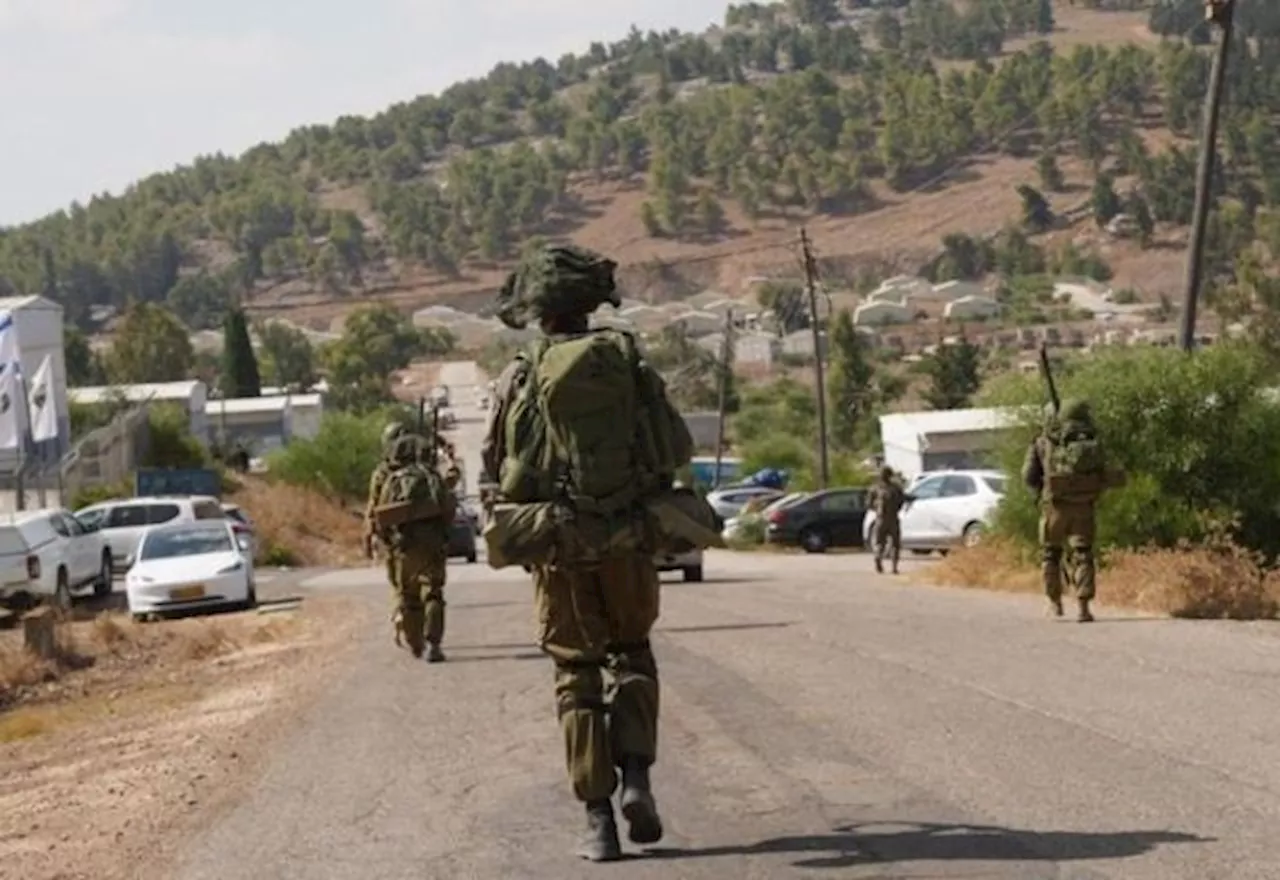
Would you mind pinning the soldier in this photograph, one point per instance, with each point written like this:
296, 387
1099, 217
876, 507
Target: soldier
594, 618
887, 500
1066, 468
417, 554
392, 432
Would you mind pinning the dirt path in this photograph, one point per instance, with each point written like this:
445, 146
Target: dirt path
107, 766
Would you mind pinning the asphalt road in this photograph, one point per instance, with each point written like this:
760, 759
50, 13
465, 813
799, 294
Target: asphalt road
817, 720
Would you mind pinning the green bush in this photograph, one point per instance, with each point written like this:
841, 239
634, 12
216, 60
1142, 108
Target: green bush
339, 459
1198, 438
172, 444
93, 494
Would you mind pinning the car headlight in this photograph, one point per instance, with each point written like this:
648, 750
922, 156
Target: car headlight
235, 566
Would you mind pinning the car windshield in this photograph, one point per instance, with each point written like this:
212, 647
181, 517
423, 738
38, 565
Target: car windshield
996, 484
170, 544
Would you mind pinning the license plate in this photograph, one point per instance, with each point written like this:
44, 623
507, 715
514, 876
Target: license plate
186, 593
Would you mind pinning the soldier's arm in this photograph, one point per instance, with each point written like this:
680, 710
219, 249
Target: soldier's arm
493, 449
1033, 469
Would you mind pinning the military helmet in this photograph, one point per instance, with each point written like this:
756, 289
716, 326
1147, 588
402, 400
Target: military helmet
886, 473
1077, 410
557, 280
393, 431
405, 449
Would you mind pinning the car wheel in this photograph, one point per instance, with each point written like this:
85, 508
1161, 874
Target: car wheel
102, 585
693, 574
251, 601
972, 535
62, 592
814, 541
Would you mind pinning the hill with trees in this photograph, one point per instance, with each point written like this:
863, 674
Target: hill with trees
690, 158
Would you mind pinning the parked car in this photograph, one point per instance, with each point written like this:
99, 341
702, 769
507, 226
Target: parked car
462, 536
242, 524
819, 520
68, 559
729, 500
735, 528
950, 508
689, 564
184, 565
122, 522
19, 571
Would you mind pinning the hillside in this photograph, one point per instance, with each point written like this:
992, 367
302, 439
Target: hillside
691, 159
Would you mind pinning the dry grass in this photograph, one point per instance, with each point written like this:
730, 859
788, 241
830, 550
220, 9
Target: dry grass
1215, 581
312, 528
106, 654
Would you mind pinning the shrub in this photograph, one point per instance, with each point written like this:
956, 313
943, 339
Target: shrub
1198, 437
338, 460
171, 443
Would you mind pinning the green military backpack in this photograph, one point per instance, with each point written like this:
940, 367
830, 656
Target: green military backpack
591, 423
1076, 452
414, 492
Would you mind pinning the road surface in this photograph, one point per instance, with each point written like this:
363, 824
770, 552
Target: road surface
817, 720
815, 715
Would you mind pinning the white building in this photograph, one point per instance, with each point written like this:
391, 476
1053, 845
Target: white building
881, 314
899, 288
950, 291
756, 348
263, 424
190, 395
38, 324
970, 308
915, 442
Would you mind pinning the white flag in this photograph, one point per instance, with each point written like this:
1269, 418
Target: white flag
44, 414
13, 426
9, 356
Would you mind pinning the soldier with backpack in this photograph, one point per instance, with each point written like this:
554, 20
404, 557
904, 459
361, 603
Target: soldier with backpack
1066, 468
412, 515
582, 449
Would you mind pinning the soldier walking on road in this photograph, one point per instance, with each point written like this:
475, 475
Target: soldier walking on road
392, 432
887, 500
577, 389
1066, 468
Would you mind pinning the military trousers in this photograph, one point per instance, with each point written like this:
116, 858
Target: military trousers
884, 532
1068, 525
417, 586
595, 623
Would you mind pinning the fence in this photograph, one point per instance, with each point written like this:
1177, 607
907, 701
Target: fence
107, 455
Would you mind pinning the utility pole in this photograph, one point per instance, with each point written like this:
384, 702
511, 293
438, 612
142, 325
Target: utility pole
1222, 14
811, 285
726, 370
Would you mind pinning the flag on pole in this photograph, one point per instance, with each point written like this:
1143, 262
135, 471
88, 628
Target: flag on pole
13, 426
44, 414
13, 404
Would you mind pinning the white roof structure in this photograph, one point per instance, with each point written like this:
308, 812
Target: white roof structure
245, 405
136, 393
951, 421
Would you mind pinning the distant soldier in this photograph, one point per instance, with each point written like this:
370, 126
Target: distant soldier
413, 515
887, 499
1067, 469
392, 432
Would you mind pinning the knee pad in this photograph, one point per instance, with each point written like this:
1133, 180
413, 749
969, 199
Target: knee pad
1083, 554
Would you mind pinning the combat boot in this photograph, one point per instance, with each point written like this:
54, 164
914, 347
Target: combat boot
638, 806
1085, 616
434, 654
1055, 608
879, 566
600, 843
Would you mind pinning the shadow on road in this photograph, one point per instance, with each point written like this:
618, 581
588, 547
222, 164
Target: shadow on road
457, 605
455, 657
718, 627
851, 845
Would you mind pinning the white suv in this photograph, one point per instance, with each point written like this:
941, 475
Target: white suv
60, 557
122, 522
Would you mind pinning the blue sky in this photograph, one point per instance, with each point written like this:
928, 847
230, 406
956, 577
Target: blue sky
98, 93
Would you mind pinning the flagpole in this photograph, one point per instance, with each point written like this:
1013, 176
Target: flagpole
22, 441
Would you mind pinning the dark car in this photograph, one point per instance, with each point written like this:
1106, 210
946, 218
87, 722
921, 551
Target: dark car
462, 537
830, 518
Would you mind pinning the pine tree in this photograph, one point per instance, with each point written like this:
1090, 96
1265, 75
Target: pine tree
850, 383
954, 374
240, 376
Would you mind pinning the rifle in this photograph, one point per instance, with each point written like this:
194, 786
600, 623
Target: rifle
422, 406
1047, 372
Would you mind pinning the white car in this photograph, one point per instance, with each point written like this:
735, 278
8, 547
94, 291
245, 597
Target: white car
689, 564
729, 501
188, 565
950, 507
122, 522
61, 557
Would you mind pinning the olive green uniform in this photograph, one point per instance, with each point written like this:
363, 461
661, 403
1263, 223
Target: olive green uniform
887, 500
596, 622
1065, 522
